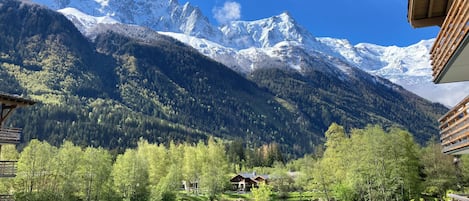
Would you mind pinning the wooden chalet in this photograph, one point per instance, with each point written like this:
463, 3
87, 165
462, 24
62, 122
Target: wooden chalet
190, 186
9, 135
450, 63
450, 54
244, 182
454, 129
450, 60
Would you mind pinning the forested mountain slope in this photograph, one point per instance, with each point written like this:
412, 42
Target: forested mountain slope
118, 88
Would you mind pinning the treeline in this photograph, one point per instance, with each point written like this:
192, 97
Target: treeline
364, 164
377, 164
149, 172
324, 98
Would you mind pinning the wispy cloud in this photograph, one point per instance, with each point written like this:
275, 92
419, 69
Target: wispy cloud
230, 11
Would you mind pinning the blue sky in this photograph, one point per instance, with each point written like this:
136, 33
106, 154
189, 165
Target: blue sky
382, 22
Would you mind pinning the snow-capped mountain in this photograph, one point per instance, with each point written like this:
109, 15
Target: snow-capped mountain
407, 66
161, 15
277, 41
84, 22
266, 33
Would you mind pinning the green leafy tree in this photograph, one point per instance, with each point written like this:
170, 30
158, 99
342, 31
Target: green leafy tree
95, 169
384, 165
281, 181
192, 164
35, 173
262, 193
323, 179
332, 169
438, 168
130, 176
157, 159
68, 158
236, 154
303, 181
462, 168
171, 182
335, 137
405, 164
215, 168
371, 164
8, 153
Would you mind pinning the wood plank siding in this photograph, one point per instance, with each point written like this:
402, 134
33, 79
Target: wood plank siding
450, 38
8, 168
454, 129
10, 135
423, 13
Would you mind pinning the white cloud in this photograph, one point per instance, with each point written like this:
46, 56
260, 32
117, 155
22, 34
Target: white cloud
230, 11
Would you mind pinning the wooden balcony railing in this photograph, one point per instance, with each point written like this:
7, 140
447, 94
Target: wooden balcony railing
10, 135
452, 33
8, 168
454, 128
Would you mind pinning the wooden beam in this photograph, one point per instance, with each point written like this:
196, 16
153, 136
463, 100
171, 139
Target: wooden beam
430, 9
434, 21
423, 13
18, 104
410, 10
5, 112
448, 5
15, 100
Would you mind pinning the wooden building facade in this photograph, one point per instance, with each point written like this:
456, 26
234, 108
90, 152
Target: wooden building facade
9, 135
450, 63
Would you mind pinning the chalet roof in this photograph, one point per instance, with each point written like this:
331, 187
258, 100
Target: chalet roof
248, 175
253, 175
423, 13
15, 100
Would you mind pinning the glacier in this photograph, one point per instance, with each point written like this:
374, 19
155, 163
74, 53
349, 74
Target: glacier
277, 41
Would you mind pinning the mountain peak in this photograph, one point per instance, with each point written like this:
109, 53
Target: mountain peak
285, 13
170, 91
407, 66
286, 16
161, 15
170, 16
266, 32
85, 23
283, 19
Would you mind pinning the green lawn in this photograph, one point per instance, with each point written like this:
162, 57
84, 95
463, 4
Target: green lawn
232, 196
296, 196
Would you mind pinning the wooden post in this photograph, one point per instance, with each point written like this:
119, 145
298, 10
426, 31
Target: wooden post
5, 112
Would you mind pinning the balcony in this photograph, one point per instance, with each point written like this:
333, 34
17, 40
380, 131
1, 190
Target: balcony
454, 129
8, 168
449, 55
10, 135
